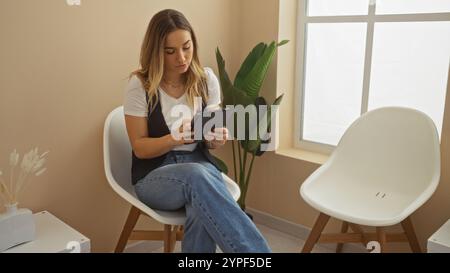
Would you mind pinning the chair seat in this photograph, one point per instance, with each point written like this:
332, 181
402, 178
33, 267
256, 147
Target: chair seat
351, 201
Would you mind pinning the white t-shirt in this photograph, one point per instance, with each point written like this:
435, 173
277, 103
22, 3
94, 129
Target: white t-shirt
135, 103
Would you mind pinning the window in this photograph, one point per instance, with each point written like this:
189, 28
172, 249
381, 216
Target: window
358, 55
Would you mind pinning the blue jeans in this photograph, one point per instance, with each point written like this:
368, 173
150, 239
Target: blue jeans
187, 179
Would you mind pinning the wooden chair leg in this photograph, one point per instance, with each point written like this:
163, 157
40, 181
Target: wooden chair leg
173, 238
316, 231
356, 228
344, 229
167, 236
132, 218
381, 235
411, 235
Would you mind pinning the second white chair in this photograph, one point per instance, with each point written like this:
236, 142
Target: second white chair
386, 165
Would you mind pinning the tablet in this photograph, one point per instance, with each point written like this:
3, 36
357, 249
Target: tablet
200, 122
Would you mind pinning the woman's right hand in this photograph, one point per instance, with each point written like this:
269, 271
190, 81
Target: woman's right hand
183, 135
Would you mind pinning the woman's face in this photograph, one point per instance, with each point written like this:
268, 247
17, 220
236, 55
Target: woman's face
178, 51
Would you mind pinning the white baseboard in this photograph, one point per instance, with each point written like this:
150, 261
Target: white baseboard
263, 218
279, 224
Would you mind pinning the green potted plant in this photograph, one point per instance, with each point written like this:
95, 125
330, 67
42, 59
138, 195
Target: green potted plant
245, 91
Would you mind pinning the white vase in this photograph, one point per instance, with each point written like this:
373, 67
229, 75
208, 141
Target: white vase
16, 227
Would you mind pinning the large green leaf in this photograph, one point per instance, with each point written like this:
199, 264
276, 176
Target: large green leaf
248, 64
252, 81
231, 94
225, 82
255, 78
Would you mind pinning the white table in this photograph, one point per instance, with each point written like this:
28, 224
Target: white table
53, 236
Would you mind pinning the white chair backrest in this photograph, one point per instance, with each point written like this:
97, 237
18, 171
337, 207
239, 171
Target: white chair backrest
392, 147
117, 151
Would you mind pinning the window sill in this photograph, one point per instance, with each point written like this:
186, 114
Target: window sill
304, 155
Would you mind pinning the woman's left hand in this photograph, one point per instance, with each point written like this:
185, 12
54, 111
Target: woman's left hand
217, 138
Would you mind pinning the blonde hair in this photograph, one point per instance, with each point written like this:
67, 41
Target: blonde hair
152, 58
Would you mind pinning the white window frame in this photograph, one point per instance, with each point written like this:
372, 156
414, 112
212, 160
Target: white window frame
371, 18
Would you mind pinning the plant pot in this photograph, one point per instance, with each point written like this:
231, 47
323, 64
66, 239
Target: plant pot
16, 227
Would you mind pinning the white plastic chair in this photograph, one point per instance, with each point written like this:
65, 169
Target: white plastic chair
386, 165
117, 162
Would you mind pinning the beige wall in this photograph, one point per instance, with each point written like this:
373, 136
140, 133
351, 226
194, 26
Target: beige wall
62, 70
